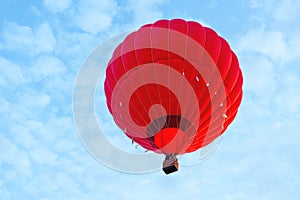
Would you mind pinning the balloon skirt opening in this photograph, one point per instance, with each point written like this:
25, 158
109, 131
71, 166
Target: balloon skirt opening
169, 140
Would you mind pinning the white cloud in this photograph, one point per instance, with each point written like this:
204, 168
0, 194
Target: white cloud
254, 4
294, 44
23, 136
57, 6
201, 21
10, 73
281, 10
286, 10
93, 16
28, 40
42, 184
266, 42
35, 11
47, 66
10, 154
279, 37
66, 182
146, 11
56, 132
259, 76
286, 98
64, 145
43, 155
30, 99
5, 105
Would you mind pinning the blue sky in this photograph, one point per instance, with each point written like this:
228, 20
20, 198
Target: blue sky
44, 43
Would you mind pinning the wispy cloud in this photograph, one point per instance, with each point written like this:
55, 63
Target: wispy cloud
146, 11
265, 42
57, 6
10, 73
28, 40
47, 66
93, 16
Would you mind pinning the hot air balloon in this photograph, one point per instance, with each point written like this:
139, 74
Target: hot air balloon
173, 87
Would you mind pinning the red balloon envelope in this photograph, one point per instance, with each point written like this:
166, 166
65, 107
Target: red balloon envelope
173, 86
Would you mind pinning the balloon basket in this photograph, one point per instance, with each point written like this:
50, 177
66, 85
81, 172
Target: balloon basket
170, 164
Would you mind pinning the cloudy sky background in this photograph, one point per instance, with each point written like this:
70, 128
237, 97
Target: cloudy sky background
44, 43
